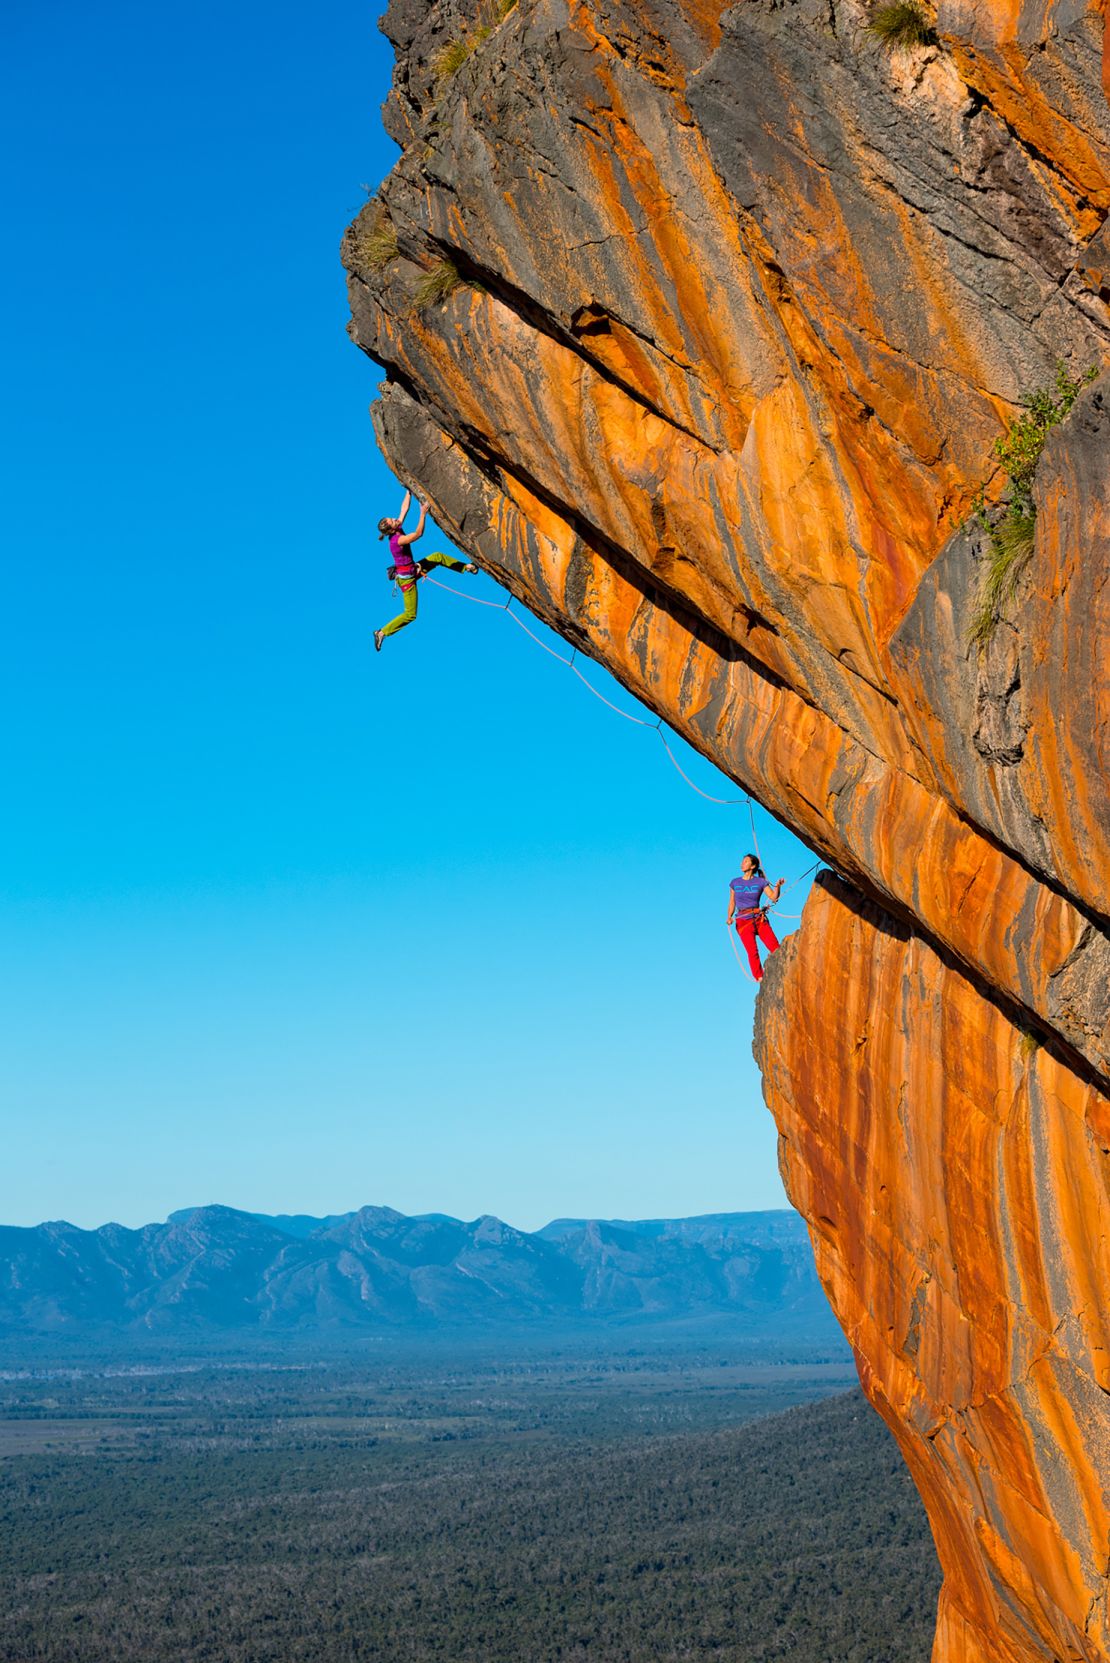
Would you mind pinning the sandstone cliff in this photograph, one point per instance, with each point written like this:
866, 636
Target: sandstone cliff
738, 304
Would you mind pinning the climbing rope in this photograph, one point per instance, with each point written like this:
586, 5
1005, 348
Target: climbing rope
640, 722
569, 664
755, 834
793, 884
475, 600
736, 954
725, 802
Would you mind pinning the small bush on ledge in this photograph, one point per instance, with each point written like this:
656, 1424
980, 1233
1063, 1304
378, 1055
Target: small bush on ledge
901, 26
1013, 532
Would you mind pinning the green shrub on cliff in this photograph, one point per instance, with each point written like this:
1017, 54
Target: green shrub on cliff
901, 26
1019, 450
1012, 532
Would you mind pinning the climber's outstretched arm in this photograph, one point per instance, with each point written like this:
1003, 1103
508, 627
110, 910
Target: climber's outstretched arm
411, 536
405, 505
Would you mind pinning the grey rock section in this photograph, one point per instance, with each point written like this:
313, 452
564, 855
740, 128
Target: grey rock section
801, 112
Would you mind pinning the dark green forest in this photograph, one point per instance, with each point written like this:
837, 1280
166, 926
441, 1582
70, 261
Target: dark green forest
617, 1510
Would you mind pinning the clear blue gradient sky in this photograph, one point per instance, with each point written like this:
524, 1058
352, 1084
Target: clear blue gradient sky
286, 925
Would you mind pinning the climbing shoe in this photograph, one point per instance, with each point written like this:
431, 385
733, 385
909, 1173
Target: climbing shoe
379, 637
471, 568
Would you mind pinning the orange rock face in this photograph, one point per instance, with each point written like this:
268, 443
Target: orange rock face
957, 1198
740, 305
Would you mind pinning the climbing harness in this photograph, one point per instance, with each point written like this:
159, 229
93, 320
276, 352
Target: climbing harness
640, 722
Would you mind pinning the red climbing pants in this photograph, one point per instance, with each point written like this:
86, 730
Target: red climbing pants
746, 929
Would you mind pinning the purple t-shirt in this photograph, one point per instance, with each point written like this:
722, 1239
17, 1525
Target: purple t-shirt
747, 892
401, 552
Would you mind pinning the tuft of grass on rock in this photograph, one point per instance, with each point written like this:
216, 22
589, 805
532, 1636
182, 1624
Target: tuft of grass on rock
454, 53
901, 26
451, 57
372, 241
1011, 544
436, 284
1012, 534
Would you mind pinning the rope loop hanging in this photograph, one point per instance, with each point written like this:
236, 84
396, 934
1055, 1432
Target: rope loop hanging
736, 954
637, 721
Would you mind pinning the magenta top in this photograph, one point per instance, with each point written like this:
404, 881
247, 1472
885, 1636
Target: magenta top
401, 552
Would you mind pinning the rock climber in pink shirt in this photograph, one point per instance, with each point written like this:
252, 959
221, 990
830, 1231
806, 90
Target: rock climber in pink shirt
405, 569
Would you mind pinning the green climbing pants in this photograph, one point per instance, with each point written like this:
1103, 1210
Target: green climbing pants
409, 587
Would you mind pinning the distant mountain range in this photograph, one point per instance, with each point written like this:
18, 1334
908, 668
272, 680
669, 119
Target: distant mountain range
217, 1270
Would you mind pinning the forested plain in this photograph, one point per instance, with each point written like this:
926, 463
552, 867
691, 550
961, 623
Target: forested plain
635, 1508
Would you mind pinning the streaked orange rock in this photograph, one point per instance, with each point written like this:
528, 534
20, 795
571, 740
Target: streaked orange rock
954, 1173
745, 303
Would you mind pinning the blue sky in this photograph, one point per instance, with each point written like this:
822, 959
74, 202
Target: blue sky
283, 924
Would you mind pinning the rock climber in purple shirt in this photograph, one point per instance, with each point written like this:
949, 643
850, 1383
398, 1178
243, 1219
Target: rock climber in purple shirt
745, 896
405, 569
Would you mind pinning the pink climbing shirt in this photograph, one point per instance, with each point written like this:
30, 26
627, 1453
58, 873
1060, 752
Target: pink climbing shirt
402, 554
